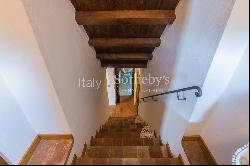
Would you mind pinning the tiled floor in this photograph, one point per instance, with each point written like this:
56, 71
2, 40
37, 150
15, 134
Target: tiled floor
124, 109
51, 152
195, 153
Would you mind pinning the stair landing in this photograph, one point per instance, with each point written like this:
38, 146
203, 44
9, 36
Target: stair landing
124, 109
197, 151
48, 150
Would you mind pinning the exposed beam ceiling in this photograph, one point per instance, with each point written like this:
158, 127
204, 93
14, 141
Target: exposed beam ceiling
125, 33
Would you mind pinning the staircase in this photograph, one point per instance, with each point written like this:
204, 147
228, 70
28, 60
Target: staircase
118, 142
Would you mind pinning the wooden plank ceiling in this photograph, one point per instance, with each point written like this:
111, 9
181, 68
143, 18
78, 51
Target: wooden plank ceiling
125, 33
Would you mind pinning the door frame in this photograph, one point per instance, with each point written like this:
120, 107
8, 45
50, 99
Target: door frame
117, 86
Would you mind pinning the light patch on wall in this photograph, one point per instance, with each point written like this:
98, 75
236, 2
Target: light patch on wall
232, 47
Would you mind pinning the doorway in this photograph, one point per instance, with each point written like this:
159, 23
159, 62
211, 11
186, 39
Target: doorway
125, 88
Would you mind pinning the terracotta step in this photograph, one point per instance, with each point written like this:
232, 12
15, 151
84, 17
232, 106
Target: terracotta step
122, 122
124, 142
127, 152
118, 143
120, 129
176, 161
121, 118
107, 126
132, 134
123, 161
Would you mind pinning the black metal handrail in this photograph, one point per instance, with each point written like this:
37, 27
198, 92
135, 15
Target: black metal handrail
197, 94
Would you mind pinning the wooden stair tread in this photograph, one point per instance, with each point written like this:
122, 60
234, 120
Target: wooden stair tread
118, 143
124, 161
125, 128
124, 142
197, 151
118, 135
175, 161
120, 130
127, 152
48, 149
123, 124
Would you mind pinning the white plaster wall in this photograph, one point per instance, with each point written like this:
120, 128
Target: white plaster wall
16, 132
221, 116
186, 52
65, 48
228, 55
25, 73
227, 127
29, 104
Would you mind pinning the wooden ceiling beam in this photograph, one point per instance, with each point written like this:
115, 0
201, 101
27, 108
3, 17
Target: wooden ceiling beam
125, 17
103, 5
125, 56
125, 42
124, 63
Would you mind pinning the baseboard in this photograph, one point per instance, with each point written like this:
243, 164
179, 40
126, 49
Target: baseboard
37, 140
30, 151
55, 136
181, 160
74, 160
204, 148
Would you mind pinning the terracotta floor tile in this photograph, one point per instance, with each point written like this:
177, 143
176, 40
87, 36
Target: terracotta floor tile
50, 152
146, 161
100, 161
129, 151
130, 161
164, 152
194, 152
118, 142
103, 152
155, 152
143, 152
162, 161
124, 109
132, 142
107, 142
114, 161
116, 152
148, 142
85, 161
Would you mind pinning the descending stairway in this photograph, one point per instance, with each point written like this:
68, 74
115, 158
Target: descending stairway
118, 142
